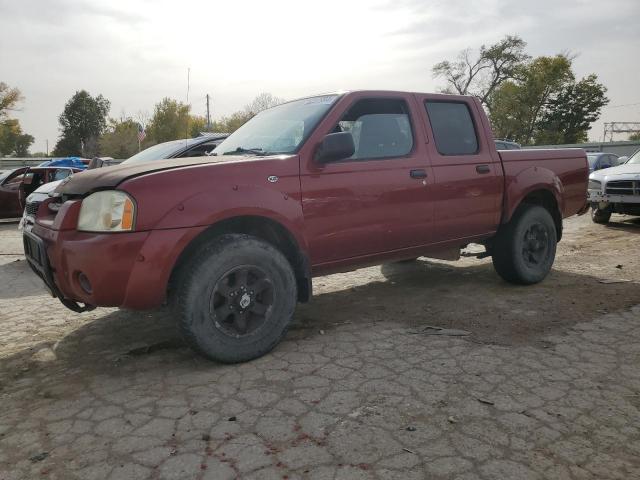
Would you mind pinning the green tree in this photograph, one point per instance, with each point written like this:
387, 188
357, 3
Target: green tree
231, 123
13, 141
82, 121
479, 75
518, 105
569, 115
634, 137
169, 121
120, 140
23, 142
545, 104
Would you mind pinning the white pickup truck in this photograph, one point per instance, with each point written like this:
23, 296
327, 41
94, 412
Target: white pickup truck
615, 190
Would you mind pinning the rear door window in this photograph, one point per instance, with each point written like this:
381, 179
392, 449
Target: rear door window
453, 128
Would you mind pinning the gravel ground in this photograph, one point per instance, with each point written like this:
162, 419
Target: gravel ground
546, 386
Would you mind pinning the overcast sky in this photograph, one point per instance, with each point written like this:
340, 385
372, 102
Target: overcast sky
137, 52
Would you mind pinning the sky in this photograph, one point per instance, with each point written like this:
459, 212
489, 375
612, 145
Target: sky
137, 52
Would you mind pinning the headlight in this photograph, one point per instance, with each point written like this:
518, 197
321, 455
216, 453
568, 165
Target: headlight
594, 185
108, 211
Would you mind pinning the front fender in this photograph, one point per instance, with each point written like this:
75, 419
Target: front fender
527, 181
218, 204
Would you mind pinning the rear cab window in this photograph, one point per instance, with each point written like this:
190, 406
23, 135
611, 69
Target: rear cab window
381, 128
453, 129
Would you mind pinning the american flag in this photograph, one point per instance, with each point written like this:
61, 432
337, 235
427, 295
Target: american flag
141, 133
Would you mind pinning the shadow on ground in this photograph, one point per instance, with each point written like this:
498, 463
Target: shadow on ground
631, 224
413, 295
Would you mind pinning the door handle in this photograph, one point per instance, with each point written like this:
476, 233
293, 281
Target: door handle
418, 173
483, 169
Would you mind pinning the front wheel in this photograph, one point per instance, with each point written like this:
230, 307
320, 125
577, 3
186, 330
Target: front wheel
524, 250
235, 298
600, 216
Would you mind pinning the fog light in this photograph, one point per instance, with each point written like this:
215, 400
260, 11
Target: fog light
84, 282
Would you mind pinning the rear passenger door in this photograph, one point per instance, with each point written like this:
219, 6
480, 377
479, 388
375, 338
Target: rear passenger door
468, 179
378, 199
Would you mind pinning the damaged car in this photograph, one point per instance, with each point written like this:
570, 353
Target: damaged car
615, 190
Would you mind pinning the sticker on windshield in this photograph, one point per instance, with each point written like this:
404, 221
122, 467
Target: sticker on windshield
325, 99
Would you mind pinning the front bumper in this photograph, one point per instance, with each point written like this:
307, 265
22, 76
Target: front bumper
35, 252
600, 197
128, 270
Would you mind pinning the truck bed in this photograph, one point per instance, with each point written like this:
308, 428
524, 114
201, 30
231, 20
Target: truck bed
527, 169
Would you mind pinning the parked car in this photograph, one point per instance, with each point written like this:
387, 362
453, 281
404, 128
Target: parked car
504, 144
193, 147
601, 160
310, 187
625, 158
71, 162
615, 190
16, 185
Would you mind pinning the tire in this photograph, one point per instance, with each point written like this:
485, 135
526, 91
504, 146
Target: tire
233, 278
600, 216
524, 249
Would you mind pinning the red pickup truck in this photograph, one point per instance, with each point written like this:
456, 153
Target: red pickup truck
314, 186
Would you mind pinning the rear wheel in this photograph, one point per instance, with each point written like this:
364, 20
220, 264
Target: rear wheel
235, 298
600, 216
524, 250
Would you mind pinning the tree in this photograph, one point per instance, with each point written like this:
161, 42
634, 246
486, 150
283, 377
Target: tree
9, 99
568, 117
120, 140
234, 121
172, 120
480, 76
519, 104
262, 102
231, 123
12, 139
545, 104
82, 121
23, 142
634, 137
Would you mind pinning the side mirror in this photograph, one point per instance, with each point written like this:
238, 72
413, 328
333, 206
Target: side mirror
335, 146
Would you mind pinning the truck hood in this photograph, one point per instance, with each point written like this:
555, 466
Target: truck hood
111, 177
623, 172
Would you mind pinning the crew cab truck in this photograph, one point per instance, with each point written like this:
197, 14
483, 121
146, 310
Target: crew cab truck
314, 186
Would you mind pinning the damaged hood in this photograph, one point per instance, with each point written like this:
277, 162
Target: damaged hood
111, 177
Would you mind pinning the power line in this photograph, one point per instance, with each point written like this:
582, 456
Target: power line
623, 105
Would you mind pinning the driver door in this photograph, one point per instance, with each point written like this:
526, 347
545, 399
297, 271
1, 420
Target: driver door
11, 205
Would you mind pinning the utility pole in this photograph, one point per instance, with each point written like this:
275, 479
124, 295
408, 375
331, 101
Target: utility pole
208, 115
47, 147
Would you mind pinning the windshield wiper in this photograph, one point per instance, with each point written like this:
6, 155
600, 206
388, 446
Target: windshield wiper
254, 151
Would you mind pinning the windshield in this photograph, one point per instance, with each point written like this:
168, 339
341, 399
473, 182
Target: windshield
4, 175
280, 129
635, 158
159, 151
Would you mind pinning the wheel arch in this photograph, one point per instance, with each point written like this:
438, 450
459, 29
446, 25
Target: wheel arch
545, 198
261, 227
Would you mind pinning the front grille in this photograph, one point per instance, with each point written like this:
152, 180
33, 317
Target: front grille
623, 187
32, 208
